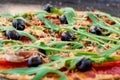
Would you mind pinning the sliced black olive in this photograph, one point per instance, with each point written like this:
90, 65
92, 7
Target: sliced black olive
84, 65
96, 30
47, 7
63, 19
67, 36
19, 24
12, 34
34, 61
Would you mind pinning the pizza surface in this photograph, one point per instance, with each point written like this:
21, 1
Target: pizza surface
59, 44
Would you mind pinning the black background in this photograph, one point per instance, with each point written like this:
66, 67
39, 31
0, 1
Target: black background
109, 6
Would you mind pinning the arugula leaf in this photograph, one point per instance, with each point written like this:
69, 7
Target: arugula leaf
69, 18
55, 57
69, 10
97, 23
55, 10
49, 24
4, 28
22, 71
10, 41
8, 15
109, 51
69, 14
51, 70
22, 33
73, 63
60, 44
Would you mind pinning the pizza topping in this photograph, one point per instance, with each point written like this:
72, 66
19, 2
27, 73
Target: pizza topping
48, 7
96, 30
12, 34
63, 19
19, 24
34, 61
84, 65
67, 36
42, 51
61, 56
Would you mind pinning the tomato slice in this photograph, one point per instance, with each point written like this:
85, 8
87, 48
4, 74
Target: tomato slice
4, 64
109, 67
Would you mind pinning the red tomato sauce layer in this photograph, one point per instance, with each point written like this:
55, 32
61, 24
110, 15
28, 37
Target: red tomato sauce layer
109, 67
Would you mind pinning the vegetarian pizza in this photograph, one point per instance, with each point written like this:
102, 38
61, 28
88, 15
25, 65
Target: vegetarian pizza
59, 44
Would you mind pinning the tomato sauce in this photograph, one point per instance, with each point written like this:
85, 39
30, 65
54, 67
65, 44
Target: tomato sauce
109, 67
4, 64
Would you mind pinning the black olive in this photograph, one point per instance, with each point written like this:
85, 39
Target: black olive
12, 34
63, 19
34, 61
67, 36
84, 65
47, 7
42, 51
19, 24
96, 30
92, 31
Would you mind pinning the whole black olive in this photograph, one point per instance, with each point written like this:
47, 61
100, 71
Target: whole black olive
92, 31
12, 34
67, 36
19, 24
34, 61
84, 65
47, 7
63, 19
96, 31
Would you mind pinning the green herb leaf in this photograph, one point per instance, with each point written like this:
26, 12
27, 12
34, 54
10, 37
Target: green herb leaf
60, 44
69, 14
8, 15
49, 24
22, 33
73, 63
55, 57
97, 23
110, 51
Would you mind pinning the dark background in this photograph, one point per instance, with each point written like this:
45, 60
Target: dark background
109, 6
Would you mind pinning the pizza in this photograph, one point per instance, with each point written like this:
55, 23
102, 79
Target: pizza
59, 44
